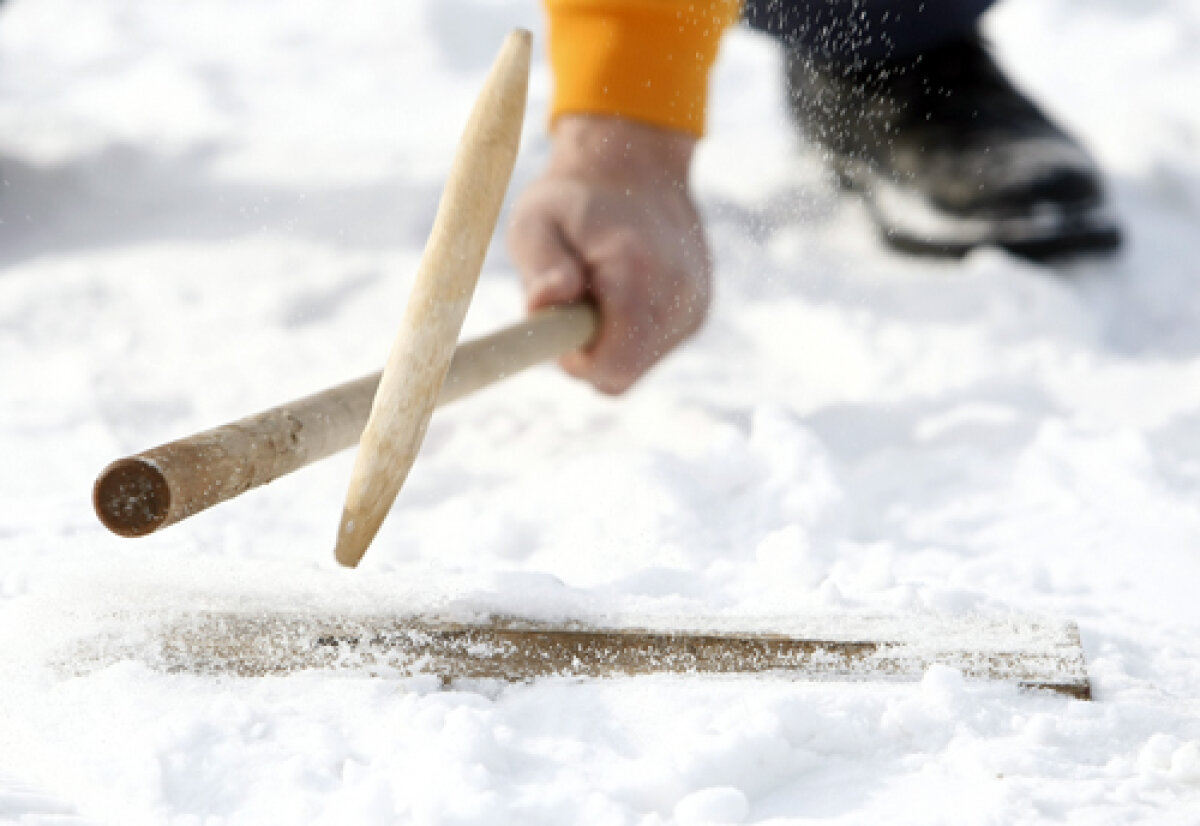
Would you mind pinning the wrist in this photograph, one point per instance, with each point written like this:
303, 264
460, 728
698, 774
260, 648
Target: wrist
619, 149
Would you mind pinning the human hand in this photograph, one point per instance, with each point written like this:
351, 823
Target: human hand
611, 220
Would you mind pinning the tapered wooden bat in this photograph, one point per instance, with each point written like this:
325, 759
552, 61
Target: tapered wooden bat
140, 494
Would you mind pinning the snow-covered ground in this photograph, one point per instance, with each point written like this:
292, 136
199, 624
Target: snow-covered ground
213, 207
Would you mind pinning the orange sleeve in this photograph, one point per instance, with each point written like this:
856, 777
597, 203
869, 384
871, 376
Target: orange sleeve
647, 60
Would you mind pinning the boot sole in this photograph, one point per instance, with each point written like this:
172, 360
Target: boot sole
911, 223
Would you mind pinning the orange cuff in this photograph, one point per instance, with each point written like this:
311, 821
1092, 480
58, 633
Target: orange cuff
647, 60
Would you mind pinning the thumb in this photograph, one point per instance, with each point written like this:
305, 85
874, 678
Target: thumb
551, 269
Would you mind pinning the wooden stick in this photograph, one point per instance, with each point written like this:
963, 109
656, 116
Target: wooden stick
417, 365
140, 494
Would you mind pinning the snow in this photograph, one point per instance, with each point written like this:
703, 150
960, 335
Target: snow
212, 208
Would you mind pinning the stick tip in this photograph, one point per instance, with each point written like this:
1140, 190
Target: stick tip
132, 497
515, 55
353, 539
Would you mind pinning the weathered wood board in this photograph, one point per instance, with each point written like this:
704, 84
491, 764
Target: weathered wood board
1031, 653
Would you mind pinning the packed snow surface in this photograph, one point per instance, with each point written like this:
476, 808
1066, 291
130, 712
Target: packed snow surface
210, 208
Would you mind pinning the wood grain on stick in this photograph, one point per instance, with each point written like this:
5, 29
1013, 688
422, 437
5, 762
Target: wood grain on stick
140, 494
445, 281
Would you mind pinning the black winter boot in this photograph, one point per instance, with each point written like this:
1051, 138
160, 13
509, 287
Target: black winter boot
950, 156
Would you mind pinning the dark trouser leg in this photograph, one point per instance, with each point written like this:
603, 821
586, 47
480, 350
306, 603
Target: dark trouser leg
853, 32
